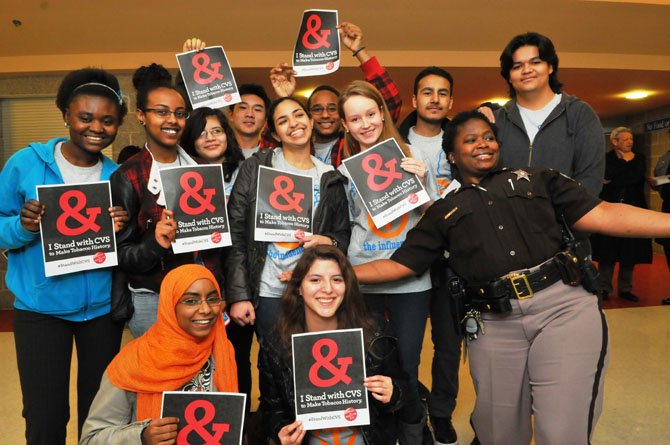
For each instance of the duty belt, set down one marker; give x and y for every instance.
(518, 285)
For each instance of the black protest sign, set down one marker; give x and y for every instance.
(284, 203)
(77, 230)
(387, 191)
(208, 78)
(317, 49)
(206, 417)
(195, 194)
(328, 372)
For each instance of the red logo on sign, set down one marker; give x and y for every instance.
(372, 166)
(283, 188)
(227, 97)
(350, 414)
(200, 63)
(216, 237)
(198, 425)
(412, 198)
(99, 258)
(329, 66)
(314, 32)
(191, 192)
(338, 374)
(86, 222)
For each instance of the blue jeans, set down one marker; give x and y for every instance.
(146, 312)
(407, 314)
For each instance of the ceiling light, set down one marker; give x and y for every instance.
(499, 100)
(306, 93)
(636, 94)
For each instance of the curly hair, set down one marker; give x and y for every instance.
(90, 82)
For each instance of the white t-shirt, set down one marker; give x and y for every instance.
(369, 243)
(284, 256)
(534, 119)
(436, 158)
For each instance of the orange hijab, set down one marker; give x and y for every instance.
(165, 358)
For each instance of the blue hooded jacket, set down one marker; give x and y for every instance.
(76, 296)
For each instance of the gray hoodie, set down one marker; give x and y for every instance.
(570, 140)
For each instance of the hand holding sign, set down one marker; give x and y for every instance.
(416, 167)
(166, 229)
(351, 35)
(31, 214)
(193, 44)
(163, 430)
(380, 386)
(282, 78)
(292, 434)
(120, 217)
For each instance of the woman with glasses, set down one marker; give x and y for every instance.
(185, 350)
(209, 136)
(144, 246)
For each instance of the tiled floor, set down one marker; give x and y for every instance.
(637, 391)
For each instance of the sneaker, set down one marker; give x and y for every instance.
(445, 434)
(665, 301)
(629, 296)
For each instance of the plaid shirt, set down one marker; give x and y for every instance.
(139, 254)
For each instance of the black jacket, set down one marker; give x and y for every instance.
(277, 401)
(144, 260)
(244, 260)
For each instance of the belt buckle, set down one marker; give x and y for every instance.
(517, 279)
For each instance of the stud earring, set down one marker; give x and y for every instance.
(66, 125)
(142, 123)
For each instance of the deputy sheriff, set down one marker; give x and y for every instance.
(539, 344)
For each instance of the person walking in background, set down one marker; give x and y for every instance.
(624, 182)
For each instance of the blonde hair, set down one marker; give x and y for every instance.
(618, 130)
(362, 88)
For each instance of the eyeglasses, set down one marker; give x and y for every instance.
(195, 302)
(214, 132)
(318, 109)
(164, 112)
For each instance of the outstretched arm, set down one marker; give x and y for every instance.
(351, 36)
(381, 271)
(624, 220)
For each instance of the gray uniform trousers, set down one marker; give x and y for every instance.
(547, 358)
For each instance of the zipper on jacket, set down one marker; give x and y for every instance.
(530, 154)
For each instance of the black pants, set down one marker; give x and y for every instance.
(241, 337)
(44, 354)
(445, 333)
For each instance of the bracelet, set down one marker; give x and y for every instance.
(355, 53)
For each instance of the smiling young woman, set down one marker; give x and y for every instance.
(145, 251)
(51, 312)
(323, 294)
(367, 121)
(185, 350)
(253, 268)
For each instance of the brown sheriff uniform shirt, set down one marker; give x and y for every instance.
(510, 221)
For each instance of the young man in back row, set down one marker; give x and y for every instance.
(423, 129)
